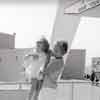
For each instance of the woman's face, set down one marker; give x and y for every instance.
(57, 50)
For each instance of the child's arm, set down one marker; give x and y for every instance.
(34, 56)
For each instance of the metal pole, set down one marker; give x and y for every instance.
(72, 91)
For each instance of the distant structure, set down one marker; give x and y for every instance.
(7, 41)
(11, 58)
(75, 65)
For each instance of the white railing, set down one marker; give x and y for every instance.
(68, 89)
(26, 85)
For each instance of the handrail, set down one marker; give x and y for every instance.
(20, 85)
(13, 83)
(74, 81)
(58, 82)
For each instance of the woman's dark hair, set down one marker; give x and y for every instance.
(64, 46)
(45, 43)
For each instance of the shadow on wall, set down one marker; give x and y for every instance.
(75, 65)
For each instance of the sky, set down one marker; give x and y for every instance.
(88, 37)
(29, 21)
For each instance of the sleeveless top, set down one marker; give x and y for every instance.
(34, 63)
(54, 70)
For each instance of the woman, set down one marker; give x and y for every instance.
(53, 71)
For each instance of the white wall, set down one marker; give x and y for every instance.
(69, 90)
(88, 37)
(11, 64)
(28, 21)
(66, 25)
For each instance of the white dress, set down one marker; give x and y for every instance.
(34, 64)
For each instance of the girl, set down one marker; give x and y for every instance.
(36, 62)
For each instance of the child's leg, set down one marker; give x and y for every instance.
(38, 89)
(33, 89)
(35, 96)
(31, 93)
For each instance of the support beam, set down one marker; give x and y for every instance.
(81, 6)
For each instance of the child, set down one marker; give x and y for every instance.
(36, 62)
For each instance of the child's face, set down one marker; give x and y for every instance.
(39, 47)
(57, 50)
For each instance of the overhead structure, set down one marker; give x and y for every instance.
(81, 6)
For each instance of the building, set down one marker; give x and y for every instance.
(7, 41)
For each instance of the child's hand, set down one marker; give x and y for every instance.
(41, 74)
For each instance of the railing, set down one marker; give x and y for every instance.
(17, 86)
(26, 85)
(14, 85)
(21, 85)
